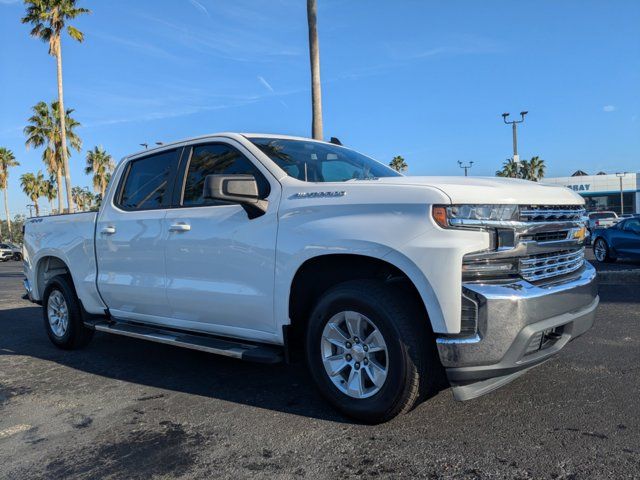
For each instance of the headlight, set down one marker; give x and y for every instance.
(473, 216)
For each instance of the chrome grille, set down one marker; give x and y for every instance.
(541, 267)
(551, 213)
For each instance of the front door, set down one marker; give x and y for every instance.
(220, 263)
(130, 238)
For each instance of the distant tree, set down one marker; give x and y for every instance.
(44, 130)
(49, 18)
(34, 187)
(7, 160)
(398, 164)
(510, 169)
(83, 198)
(50, 192)
(100, 163)
(534, 169)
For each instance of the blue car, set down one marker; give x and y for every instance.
(620, 240)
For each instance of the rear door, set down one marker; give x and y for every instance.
(220, 263)
(129, 238)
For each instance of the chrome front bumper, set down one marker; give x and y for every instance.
(511, 319)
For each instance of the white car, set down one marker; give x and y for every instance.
(265, 248)
(6, 253)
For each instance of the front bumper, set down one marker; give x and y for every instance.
(520, 325)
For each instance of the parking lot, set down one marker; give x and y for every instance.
(123, 408)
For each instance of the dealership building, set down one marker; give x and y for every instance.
(602, 191)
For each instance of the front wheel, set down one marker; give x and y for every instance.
(370, 351)
(602, 252)
(62, 315)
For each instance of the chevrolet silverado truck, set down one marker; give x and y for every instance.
(271, 248)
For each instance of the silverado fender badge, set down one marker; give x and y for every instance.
(341, 193)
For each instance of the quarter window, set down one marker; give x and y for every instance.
(147, 181)
(216, 159)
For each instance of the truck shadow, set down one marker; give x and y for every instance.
(284, 388)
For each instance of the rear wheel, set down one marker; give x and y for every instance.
(602, 252)
(62, 315)
(369, 350)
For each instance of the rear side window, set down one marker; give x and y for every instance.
(632, 225)
(147, 182)
(217, 159)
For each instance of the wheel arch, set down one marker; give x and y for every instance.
(319, 273)
(47, 267)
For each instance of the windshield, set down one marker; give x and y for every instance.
(321, 162)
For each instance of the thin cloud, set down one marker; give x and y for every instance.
(265, 83)
(608, 108)
(200, 7)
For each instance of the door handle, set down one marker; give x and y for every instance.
(108, 230)
(180, 227)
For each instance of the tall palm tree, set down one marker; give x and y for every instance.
(314, 57)
(48, 18)
(7, 160)
(44, 129)
(398, 164)
(82, 197)
(100, 163)
(34, 187)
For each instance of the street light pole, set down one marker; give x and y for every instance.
(514, 132)
(620, 175)
(466, 167)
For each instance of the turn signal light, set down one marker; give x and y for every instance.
(440, 216)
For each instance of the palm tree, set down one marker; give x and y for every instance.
(509, 169)
(50, 192)
(34, 187)
(398, 164)
(82, 197)
(100, 163)
(48, 18)
(44, 129)
(314, 57)
(534, 169)
(7, 160)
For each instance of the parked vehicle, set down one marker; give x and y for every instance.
(5, 252)
(621, 240)
(16, 250)
(601, 220)
(265, 248)
(628, 215)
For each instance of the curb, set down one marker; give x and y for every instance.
(621, 277)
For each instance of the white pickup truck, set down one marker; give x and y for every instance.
(269, 248)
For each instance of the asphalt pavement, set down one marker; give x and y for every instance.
(124, 408)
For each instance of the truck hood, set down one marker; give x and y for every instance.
(492, 190)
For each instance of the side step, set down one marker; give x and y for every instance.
(228, 348)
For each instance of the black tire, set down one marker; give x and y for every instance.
(414, 369)
(77, 335)
(17, 256)
(601, 245)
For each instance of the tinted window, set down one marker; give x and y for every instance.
(4, 245)
(217, 159)
(632, 225)
(602, 215)
(321, 162)
(147, 182)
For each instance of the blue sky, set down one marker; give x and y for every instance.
(424, 79)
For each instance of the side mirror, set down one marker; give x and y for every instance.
(235, 188)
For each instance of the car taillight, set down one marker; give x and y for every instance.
(597, 223)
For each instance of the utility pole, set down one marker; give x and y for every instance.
(620, 175)
(30, 207)
(466, 167)
(514, 129)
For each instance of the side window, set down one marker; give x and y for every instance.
(147, 182)
(217, 159)
(632, 225)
